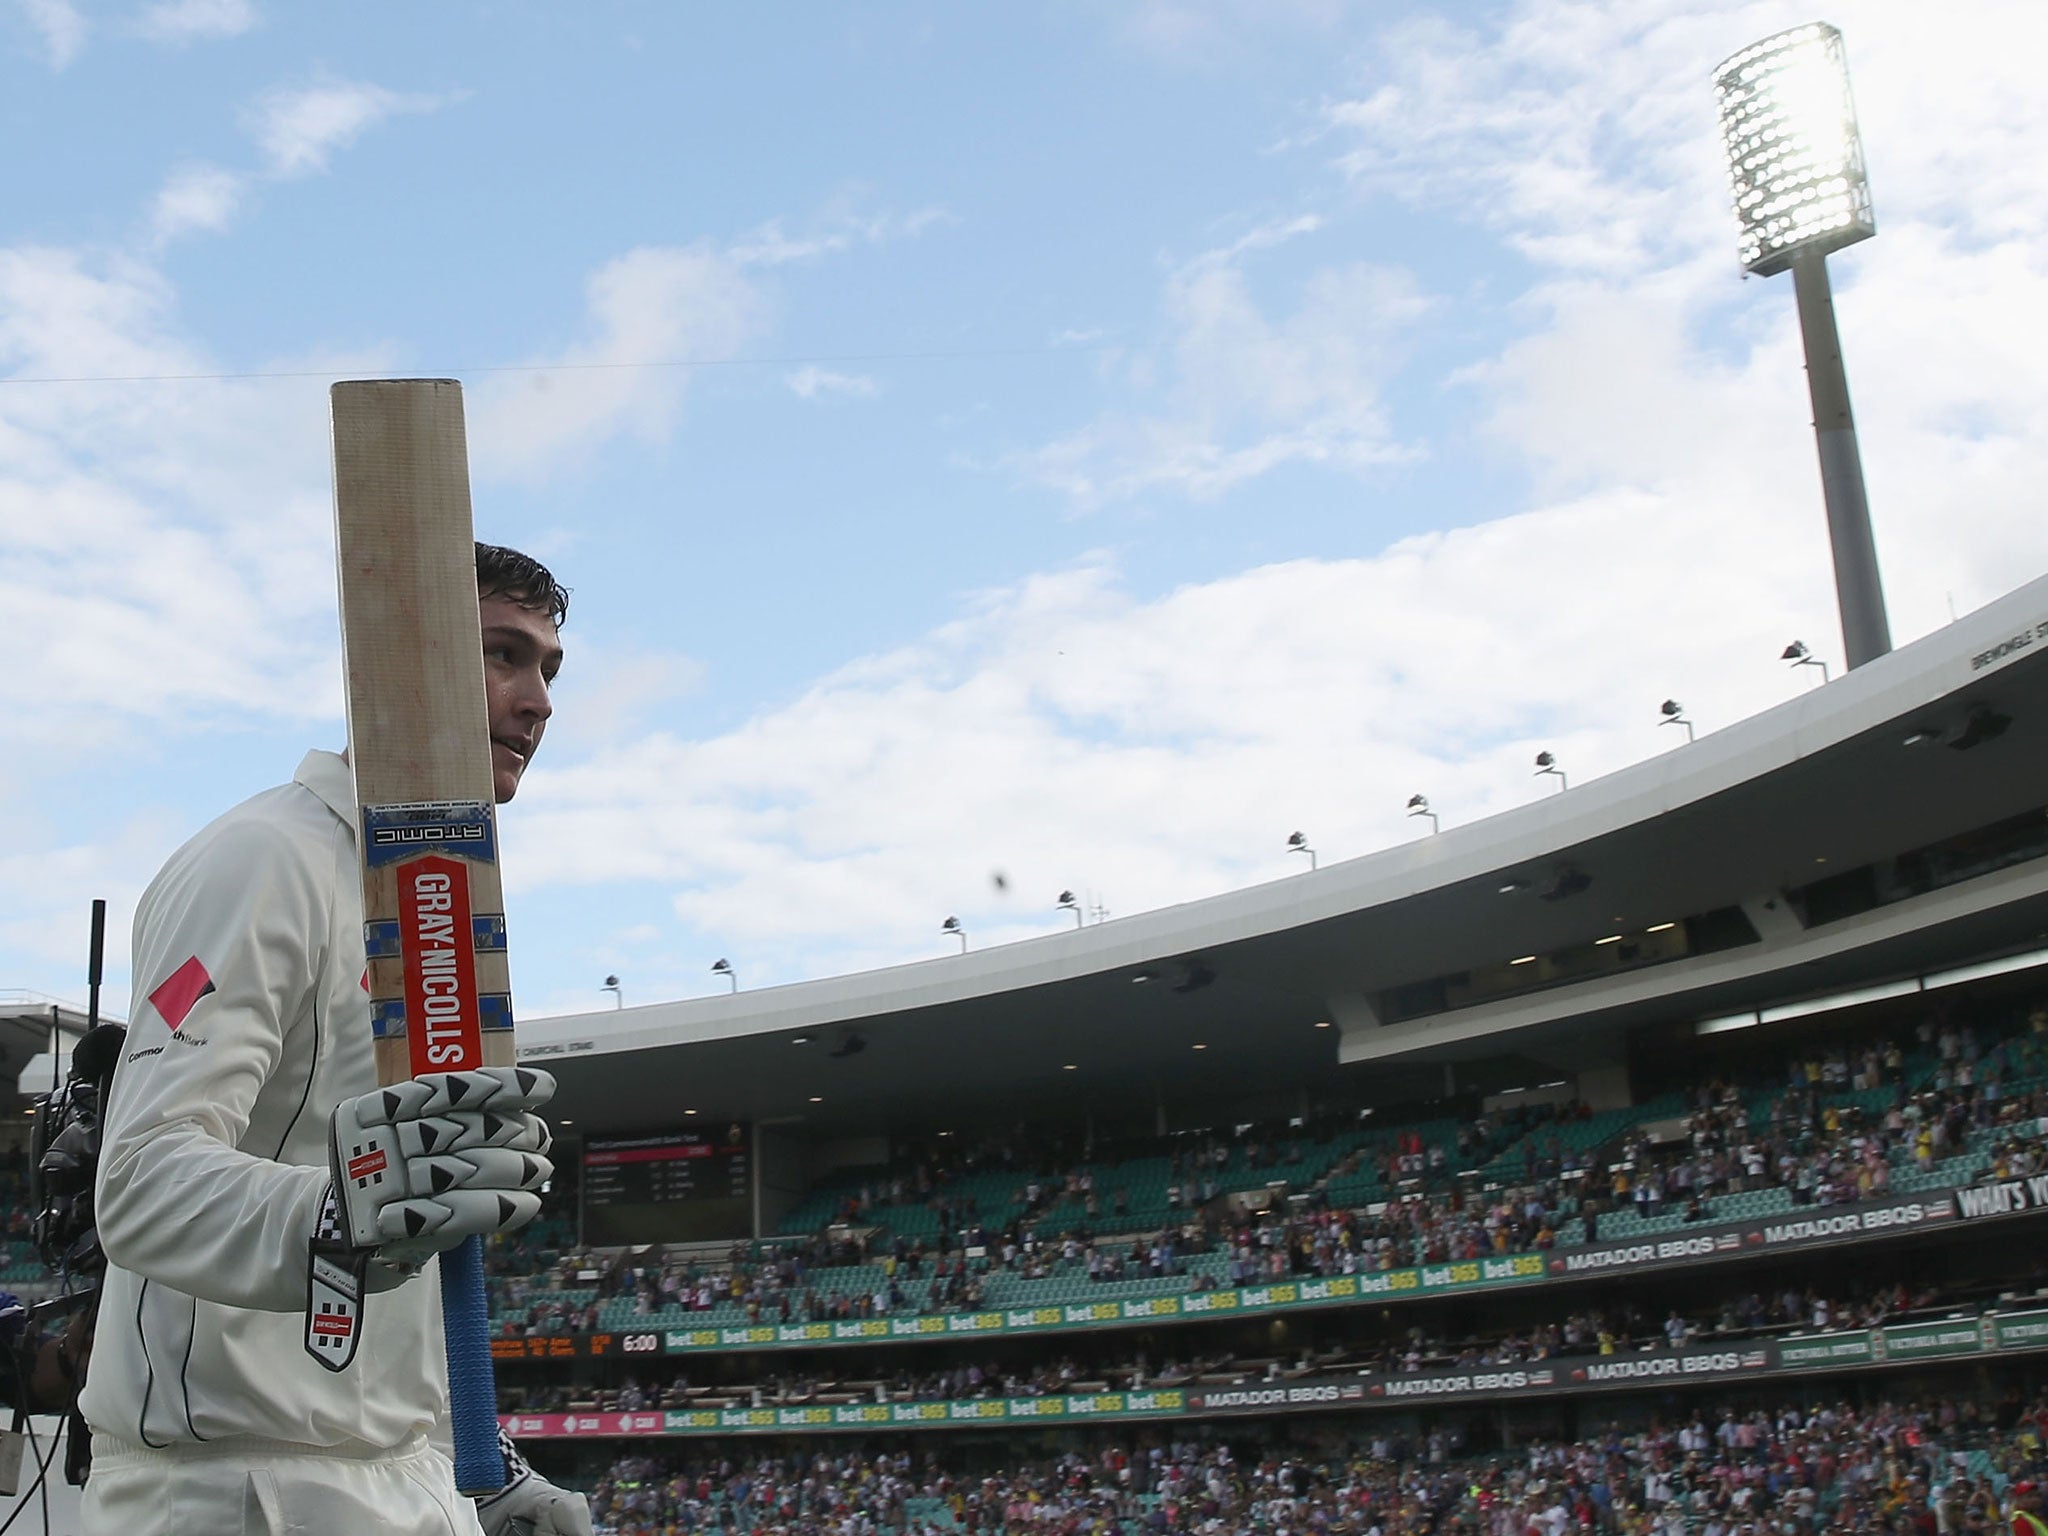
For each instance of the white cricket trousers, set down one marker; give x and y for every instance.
(272, 1488)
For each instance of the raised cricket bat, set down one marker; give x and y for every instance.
(419, 738)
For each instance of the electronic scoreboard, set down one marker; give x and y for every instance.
(668, 1187)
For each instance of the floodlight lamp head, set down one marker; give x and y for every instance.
(1671, 709)
(950, 925)
(611, 983)
(1544, 762)
(1418, 802)
(1298, 840)
(1066, 898)
(1795, 159)
(1796, 651)
(721, 967)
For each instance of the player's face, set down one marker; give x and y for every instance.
(522, 654)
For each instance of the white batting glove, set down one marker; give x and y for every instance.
(421, 1165)
(530, 1505)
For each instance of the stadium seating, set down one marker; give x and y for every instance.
(1343, 1169)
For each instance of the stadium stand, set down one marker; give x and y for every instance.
(1669, 1159)
(1806, 1131)
(1942, 1465)
(1857, 1112)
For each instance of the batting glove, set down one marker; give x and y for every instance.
(530, 1505)
(421, 1165)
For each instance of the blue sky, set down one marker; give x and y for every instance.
(1082, 441)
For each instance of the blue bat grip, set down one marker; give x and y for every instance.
(472, 1385)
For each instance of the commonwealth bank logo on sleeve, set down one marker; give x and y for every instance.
(174, 998)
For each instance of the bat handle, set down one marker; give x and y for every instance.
(472, 1386)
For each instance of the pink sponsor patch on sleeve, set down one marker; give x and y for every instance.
(180, 991)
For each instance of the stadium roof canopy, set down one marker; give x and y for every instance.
(1379, 970)
(26, 1019)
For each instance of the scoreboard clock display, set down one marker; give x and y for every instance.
(669, 1187)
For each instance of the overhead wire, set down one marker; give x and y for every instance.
(816, 359)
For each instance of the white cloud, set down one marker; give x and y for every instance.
(1263, 237)
(158, 542)
(1582, 131)
(160, 550)
(166, 557)
(1519, 133)
(646, 311)
(195, 198)
(811, 381)
(1071, 734)
(617, 693)
(183, 21)
(771, 245)
(59, 25)
(1582, 135)
(46, 901)
(1246, 392)
(1077, 735)
(1217, 32)
(298, 127)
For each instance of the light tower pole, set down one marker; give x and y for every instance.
(1795, 161)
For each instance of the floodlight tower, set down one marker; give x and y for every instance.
(1795, 161)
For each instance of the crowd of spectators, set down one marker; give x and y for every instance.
(1618, 1328)
(1625, 1328)
(780, 1282)
(783, 1285)
(1825, 1151)
(1809, 1132)
(1933, 1468)
(905, 1276)
(1051, 1171)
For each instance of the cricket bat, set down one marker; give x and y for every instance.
(419, 739)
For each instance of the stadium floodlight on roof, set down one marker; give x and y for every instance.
(1794, 155)
(1795, 162)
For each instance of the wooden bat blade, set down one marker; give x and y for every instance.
(419, 739)
(419, 734)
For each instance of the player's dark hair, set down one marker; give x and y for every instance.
(502, 572)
